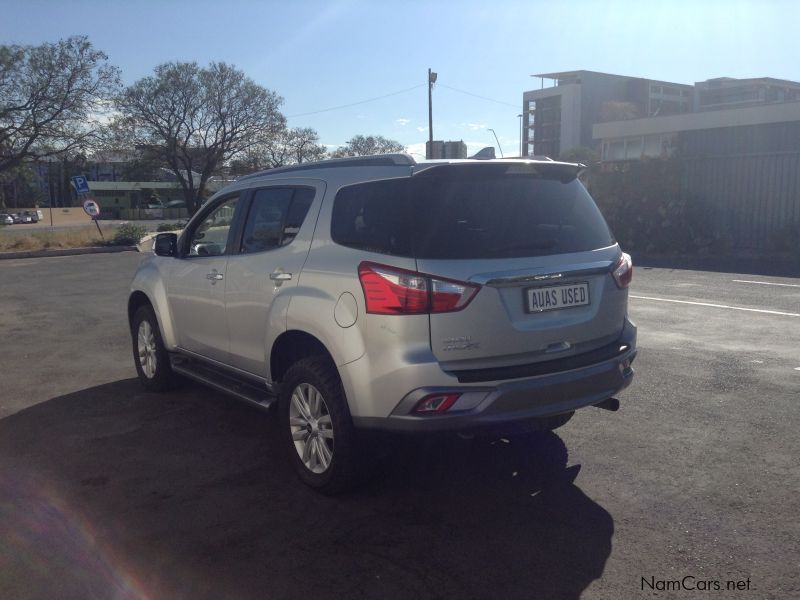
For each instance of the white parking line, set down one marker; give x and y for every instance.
(755, 310)
(766, 283)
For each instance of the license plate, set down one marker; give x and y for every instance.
(555, 297)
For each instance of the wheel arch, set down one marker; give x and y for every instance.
(136, 300)
(291, 346)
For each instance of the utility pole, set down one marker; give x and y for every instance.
(431, 81)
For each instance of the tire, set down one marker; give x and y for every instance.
(149, 354)
(317, 427)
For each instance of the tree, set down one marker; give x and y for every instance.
(51, 97)
(294, 146)
(366, 145)
(288, 147)
(196, 119)
(579, 154)
(614, 110)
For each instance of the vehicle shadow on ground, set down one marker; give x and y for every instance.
(112, 491)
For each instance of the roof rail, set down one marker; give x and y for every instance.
(377, 160)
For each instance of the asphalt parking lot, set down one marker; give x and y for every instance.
(108, 491)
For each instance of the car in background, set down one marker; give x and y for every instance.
(176, 204)
(22, 218)
(32, 215)
(6, 219)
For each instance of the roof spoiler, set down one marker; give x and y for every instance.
(484, 154)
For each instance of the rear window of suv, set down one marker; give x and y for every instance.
(462, 212)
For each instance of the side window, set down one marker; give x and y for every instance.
(301, 202)
(275, 218)
(374, 216)
(210, 237)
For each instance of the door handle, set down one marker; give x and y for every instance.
(280, 276)
(214, 276)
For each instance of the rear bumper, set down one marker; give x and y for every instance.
(506, 404)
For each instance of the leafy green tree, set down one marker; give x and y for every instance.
(196, 119)
(51, 98)
(360, 145)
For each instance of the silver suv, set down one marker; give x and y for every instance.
(380, 293)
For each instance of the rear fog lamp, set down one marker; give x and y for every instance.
(436, 403)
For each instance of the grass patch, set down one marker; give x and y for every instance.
(76, 237)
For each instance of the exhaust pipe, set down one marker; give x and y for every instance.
(611, 404)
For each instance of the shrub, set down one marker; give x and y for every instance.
(171, 226)
(129, 234)
(649, 210)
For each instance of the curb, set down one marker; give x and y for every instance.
(67, 252)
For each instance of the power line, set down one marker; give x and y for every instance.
(315, 112)
(478, 96)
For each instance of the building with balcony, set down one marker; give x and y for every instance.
(727, 92)
(560, 117)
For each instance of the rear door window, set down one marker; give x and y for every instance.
(275, 218)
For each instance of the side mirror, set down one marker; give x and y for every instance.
(166, 244)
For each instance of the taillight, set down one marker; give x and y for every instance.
(393, 291)
(623, 271)
(436, 403)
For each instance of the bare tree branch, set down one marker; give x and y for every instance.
(50, 98)
(197, 119)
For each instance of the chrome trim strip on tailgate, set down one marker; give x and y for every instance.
(521, 277)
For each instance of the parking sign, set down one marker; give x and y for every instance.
(80, 183)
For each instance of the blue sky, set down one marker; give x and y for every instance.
(318, 55)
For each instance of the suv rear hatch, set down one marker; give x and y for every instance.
(531, 236)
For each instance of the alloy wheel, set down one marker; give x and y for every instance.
(311, 427)
(147, 349)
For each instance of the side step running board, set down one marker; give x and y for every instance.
(221, 380)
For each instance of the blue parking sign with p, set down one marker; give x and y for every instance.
(80, 183)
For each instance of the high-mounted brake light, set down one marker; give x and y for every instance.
(393, 291)
(623, 271)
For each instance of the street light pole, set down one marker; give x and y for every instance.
(431, 81)
(498, 143)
